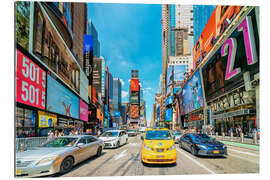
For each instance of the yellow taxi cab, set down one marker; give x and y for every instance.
(158, 147)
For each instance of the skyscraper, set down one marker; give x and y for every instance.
(91, 30)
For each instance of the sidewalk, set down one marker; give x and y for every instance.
(242, 145)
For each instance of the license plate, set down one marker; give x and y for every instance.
(160, 156)
(18, 172)
(216, 152)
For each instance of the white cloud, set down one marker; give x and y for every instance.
(124, 94)
(122, 82)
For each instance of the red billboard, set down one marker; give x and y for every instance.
(30, 82)
(134, 84)
(134, 111)
(216, 25)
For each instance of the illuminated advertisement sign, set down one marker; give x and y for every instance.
(50, 48)
(83, 86)
(169, 100)
(22, 23)
(103, 73)
(158, 112)
(30, 82)
(239, 54)
(168, 116)
(116, 113)
(83, 111)
(179, 73)
(46, 119)
(134, 99)
(180, 103)
(216, 25)
(134, 111)
(134, 84)
(60, 100)
(192, 93)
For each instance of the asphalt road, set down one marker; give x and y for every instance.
(125, 161)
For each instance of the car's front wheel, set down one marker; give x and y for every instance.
(66, 165)
(193, 151)
(118, 144)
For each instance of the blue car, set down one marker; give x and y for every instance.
(202, 144)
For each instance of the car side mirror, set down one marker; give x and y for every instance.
(142, 138)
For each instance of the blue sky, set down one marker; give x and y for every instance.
(130, 38)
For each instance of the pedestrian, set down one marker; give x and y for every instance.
(98, 133)
(50, 135)
(56, 133)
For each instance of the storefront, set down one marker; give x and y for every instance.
(26, 122)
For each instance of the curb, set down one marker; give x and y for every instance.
(247, 146)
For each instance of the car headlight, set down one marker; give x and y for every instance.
(148, 148)
(201, 146)
(171, 148)
(48, 159)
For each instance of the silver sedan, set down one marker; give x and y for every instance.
(58, 155)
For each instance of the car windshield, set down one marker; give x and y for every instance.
(132, 130)
(178, 134)
(158, 135)
(61, 142)
(110, 134)
(201, 137)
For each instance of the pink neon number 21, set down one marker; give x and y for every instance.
(230, 44)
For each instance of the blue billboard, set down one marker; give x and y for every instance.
(116, 113)
(192, 94)
(168, 116)
(60, 100)
(169, 100)
(87, 43)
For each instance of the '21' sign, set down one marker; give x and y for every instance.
(30, 82)
(230, 46)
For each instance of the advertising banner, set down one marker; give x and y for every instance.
(61, 100)
(238, 55)
(181, 105)
(30, 82)
(83, 111)
(134, 99)
(103, 73)
(51, 49)
(169, 100)
(116, 113)
(216, 25)
(46, 119)
(22, 23)
(168, 116)
(179, 73)
(192, 93)
(99, 115)
(134, 84)
(134, 111)
(83, 86)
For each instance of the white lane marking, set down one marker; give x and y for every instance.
(196, 162)
(241, 152)
(132, 144)
(122, 154)
(244, 159)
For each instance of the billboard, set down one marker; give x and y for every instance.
(83, 111)
(134, 84)
(46, 119)
(192, 93)
(168, 115)
(238, 55)
(180, 103)
(87, 47)
(83, 86)
(103, 74)
(30, 82)
(60, 100)
(216, 25)
(116, 113)
(134, 111)
(179, 73)
(134, 99)
(169, 100)
(22, 23)
(50, 48)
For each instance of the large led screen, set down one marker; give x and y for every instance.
(60, 100)
(134, 84)
(237, 55)
(83, 111)
(30, 82)
(192, 93)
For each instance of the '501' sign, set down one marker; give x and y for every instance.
(30, 82)
(230, 45)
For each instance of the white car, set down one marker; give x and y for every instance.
(114, 138)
